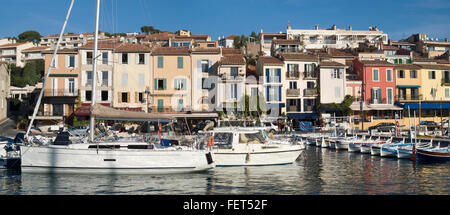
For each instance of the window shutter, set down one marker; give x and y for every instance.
(267, 93)
(379, 96)
(199, 66)
(267, 75)
(209, 66)
(136, 97)
(66, 61)
(120, 58)
(119, 97)
(156, 83)
(278, 75)
(128, 97)
(164, 84)
(136, 57)
(279, 94)
(372, 93)
(83, 58)
(76, 61)
(184, 84)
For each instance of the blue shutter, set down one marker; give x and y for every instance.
(278, 75)
(267, 93)
(199, 66)
(160, 62)
(209, 66)
(164, 84)
(267, 75)
(279, 94)
(180, 62)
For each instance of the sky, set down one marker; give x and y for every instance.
(399, 18)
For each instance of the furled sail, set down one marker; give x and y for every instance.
(107, 113)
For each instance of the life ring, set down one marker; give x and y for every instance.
(210, 141)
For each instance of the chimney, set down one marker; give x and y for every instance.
(350, 28)
(317, 27)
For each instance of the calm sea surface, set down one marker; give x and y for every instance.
(317, 172)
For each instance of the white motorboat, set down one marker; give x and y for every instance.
(237, 147)
(100, 156)
(325, 143)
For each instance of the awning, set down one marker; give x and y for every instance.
(109, 113)
(425, 105)
(303, 116)
(408, 86)
(356, 107)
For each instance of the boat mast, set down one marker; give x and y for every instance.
(52, 62)
(94, 73)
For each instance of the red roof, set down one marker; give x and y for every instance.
(183, 50)
(232, 60)
(131, 47)
(270, 60)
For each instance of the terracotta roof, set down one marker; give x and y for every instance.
(232, 60)
(210, 50)
(331, 52)
(331, 63)
(171, 50)
(37, 48)
(11, 45)
(231, 37)
(407, 66)
(226, 51)
(102, 45)
(435, 66)
(131, 47)
(376, 63)
(298, 56)
(270, 60)
(197, 36)
(390, 47)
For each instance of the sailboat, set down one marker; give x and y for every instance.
(109, 157)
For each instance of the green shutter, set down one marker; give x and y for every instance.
(184, 84)
(160, 61)
(156, 83)
(164, 84)
(180, 62)
(160, 105)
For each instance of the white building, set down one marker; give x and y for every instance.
(4, 90)
(34, 53)
(336, 38)
(272, 71)
(231, 84)
(226, 42)
(12, 53)
(332, 82)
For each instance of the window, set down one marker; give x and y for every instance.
(71, 85)
(337, 92)
(375, 75)
(180, 62)
(104, 95)
(124, 97)
(105, 58)
(141, 59)
(58, 109)
(205, 66)
(447, 93)
(71, 61)
(254, 92)
(160, 84)
(141, 97)
(180, 84)
(141, 79)
(336, 74)
(273, 75)
(205, 84)
(292, 85)
(390, 96)
(234, 71)
(180, 105)
(376, 95)
(89, 78)
(413, 74)
(273, 93)
(124, 79)
(160, 105)
(432, 75)
(89, 57)
(401, 74)
(124, 59)
(160, 61)
(105, 78)
(389, 76)
(88, 95)
(433, 92)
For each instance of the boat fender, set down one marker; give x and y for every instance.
(247, 158)
(210, 141)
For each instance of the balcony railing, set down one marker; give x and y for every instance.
(60, 92)
(293, 92)
(446, 81)
(310, 75)
(409, 97)
(310, 92)
(293, 75)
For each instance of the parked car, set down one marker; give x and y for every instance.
(270, 127)
(383, 127)
(78, 130)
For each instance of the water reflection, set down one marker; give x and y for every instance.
(317, 171)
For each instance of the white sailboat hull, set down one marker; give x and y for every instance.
(387, 152)
(277, 156)
(365, 149)
(352, 147)
(45, 159)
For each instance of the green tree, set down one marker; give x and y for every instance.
(253, 35)
(240, 42)
(30, 74)
(29, 36)
(150, 30)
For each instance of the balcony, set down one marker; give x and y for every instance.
(293, 75)
(310, 75)
(446, 81)
(293, 92)
(401, 98)
(310, 92)
(60, 93)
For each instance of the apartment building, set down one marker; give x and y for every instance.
(336, 38)
(430, 47)
(12, 53)
(131, 77)
(271, 69)
(69, 40)
(104, 76)
(34, 53)
(204, 62)
(231, 73)
(4, 90)
(171, 72)
(62, 87)
(227, 42)
(265, 41)
(332, 82)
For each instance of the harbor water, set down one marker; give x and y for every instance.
(318, 171)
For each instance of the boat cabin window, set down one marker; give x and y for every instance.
(104, 146)
(252, 138)
(223, 140)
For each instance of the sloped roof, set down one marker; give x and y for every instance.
(171, 51)
(132, 47)
(271, 60)
(298, 56)
(232, 60)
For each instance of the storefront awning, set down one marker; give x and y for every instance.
(425, 105)
(303, 115)
(356, 107)
(408, 86)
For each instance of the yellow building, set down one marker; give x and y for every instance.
(171, 76)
